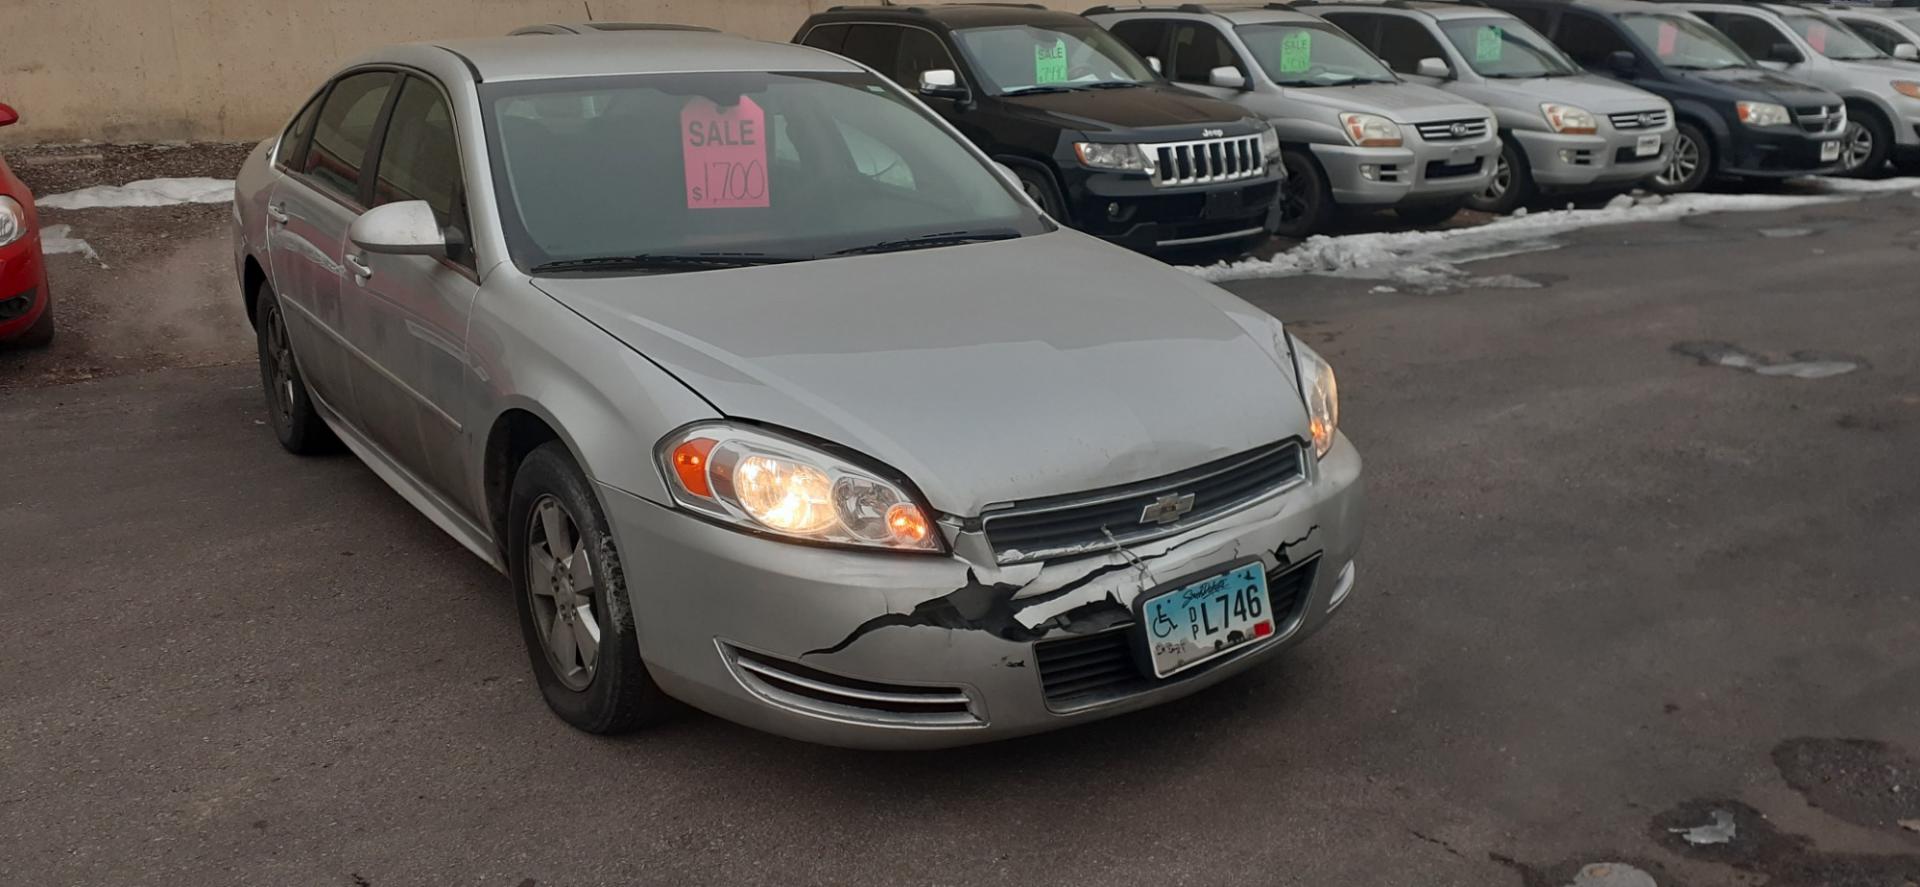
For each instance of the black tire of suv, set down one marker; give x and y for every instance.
(1041, 188)
(1882, 135)
(1426, 215)
(1520, 186)
(295, 420)
(620, 695)
(1704, 144)
(1307, 206)
(40, 335)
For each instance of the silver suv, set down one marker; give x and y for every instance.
(1882, 93)
(1353, 133)
(1561, 128)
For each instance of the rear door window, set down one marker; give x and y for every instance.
(876, 46)
(1882, 37)
(1589, 41)
(1146, 37)
(827, 37)
(343, 132)
(1403, 42)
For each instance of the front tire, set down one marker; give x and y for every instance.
(290, 410)
(1307, 204)
(571, 589)
(1512, 186)
(1688, 166)
(1040, 187)
(1865, 144)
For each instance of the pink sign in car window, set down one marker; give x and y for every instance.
(1817, 37)
(1669, 39)
(726, 155)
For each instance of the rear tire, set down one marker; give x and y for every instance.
(1307, 204)
(1688, 166)
(40, 335)
(1865, 144)
(1512, 186)
(290, 410)
(571, 590)
(1041, 188)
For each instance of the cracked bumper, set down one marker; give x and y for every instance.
(714, 607)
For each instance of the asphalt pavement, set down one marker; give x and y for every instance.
(1625, 570)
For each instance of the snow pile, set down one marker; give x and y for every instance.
(59, 240)
(146, 192)
(1429, 259)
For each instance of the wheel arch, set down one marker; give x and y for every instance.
(1023, 161)
(252, 277)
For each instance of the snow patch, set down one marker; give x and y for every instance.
(1429, 259)
(59, 240)
(146, 192)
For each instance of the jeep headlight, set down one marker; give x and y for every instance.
(763, 483)
(1269, 142)
(1321, 391)
(1117, 157)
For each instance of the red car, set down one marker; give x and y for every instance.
(26, 308)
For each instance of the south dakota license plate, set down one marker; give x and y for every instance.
(1198, 621)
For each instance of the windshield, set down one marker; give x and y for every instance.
(1023, 58)
(1312, 54)
(731, 168)
(1506, 48)
(1830, 38)
(1685, 43)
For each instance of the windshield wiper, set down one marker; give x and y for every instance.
(1111, 84)
(1032, 90)
(949, 238)
(661, 262)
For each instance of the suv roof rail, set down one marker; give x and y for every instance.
(922, 10)
(1195, 8)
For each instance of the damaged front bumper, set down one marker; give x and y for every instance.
(878, 650)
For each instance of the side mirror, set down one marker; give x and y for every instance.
(942, 83)
(1784, 53)
(1227, 78)
(1433, 67)
(1623, 64)
(1906, 52)
(9, 117)
(407, 228)
(1153, 61)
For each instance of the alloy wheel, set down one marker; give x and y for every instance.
(280, 354)
(1501, 181)
(1293, 198)
(562, 590)
(1859, 146)
(1681, 165)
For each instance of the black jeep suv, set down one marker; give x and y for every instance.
(1095, 135)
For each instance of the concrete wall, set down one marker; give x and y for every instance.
(164, 70)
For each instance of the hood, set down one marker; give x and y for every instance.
(1596, 94)
(1765, 83)
(985, 373)
(1399, 102)
(1176, 113)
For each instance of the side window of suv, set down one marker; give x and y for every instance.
(1197, 50)
(920, 52)
(344, 130)
(828, 37)
(1536, 17)
(877, 47)
(1751, 33)
(1362, 26)
(1403, 42)
(1882, 37)
(1146, 37)
(1588, 40)
(420, 157)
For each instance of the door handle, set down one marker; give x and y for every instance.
(278, 213)
(360, 267)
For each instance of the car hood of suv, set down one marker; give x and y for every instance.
(1400, 102)
(1127, 111)
(985, 373)
(1778, 87)
(1587, 92)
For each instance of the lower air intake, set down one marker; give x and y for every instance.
(796, 686)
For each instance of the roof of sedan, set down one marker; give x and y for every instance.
(634, 52)
(1439, 9)
(955, 15)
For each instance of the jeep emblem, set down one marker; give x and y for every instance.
(1212, 133)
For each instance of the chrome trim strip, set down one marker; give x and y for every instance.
(1230, 235)
(772, 673)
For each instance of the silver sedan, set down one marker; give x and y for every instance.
(771, 394)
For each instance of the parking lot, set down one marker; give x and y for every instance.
(1639, 554)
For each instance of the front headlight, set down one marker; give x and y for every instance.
(1270, 142)
(13, 220)
(1371, 130)
(1907, 88)
(1762, 114)
(1569, 119)
(1321, 391)
(1121, 158)
(765, 483)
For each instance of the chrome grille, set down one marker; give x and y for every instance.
(1821, 119)
(1210, 160)
(1453, 130)
(1639, 119)
(1086, 670)
(1070, 526)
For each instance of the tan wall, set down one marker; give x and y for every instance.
(162, 70)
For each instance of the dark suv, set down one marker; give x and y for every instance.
(1094, 134)
(1734, 117)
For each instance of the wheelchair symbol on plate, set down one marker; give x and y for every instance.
(1162, 625)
